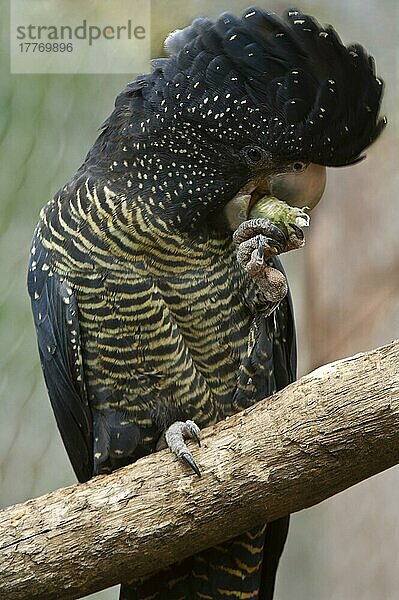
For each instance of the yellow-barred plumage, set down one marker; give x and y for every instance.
(164, 323)
(145, 314)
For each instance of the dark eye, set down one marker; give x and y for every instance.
(299, 167)
(254, 154)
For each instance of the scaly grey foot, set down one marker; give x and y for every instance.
(175, 436)
(256, 241)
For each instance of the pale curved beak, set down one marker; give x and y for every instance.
(300, 189)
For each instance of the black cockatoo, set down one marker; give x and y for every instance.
(160, 306)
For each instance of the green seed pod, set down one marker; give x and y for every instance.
(280, 213)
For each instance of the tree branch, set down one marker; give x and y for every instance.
(322, 434)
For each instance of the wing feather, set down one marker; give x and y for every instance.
(55, 313)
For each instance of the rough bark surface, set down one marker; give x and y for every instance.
(329, 430)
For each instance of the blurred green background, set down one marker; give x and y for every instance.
(345, 285)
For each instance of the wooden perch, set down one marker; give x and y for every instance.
(322, 434)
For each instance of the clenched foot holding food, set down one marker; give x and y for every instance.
(273, 227)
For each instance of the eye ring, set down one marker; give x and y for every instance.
(254, 155)
(299, 166)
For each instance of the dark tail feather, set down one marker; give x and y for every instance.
(276, 534)
(127, 593)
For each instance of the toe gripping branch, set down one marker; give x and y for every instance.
(175, 436)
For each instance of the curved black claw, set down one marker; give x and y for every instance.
(261, 250)
(276, 244)
(273, 245)
(278, 234)
(196, 436)
(187, 457)
(298, 231)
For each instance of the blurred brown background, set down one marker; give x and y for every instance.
(345, 285)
